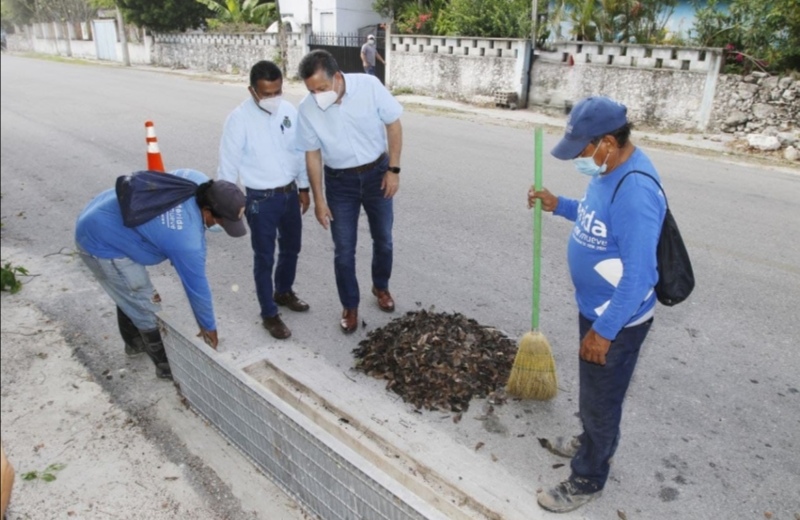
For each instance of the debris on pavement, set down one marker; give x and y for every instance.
(437, 360)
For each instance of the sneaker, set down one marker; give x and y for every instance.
(563, 446)
(565, 497)
(290, 300)
(276, 327)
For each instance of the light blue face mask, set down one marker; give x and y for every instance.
(216, 228)
(587, 166)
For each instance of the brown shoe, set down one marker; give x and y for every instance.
(385, 301)
(349, 321)
(290, 300)
(276, 327)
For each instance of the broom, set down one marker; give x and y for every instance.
(533, 375)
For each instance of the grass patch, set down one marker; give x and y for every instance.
(399, 91)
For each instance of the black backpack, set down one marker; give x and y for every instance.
(146, 194)
(675, 274)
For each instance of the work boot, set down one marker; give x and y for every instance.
(276, 327)
(134, 344)
(155, 350)
(290, 300)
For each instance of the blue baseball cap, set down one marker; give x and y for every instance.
(590, 118)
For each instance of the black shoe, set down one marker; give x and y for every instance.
(134, 344)
(290, 300)
(163, 371)
(276, 327)
(135, 347)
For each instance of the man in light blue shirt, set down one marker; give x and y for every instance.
(345, 122)
(259, 149)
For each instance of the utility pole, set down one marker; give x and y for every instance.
(534, 19)
(282, 44)
(123, 39)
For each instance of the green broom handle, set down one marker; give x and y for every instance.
(537, 227)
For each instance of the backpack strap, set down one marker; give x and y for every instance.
(645, 174)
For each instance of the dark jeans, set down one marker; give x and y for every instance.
(273, 215)
(602, 391)
(370, 69)
(346, 192)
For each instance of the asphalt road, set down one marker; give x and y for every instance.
(712, 418)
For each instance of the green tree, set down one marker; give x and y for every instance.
(639, 21)
(242, 11)
(19, 12)
(755, 34)
(165, 15)
(486, 18)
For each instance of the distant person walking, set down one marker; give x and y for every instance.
(369, 53)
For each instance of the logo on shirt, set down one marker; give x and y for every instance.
(589, 231)
(287, 123)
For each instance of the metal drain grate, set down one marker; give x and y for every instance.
(326, 477)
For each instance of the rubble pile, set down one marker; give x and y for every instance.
(437, 360)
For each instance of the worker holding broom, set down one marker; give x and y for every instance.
(612, 262)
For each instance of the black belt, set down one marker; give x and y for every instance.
(360, 169)
(292, 186)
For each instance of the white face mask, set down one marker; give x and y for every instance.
(326, 99)
(270, 104)
(216, 228)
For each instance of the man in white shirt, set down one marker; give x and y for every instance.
(259, 149)
(345, 122)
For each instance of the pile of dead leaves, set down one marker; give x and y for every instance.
(437, 360)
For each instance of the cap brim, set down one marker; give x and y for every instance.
(234, 228)
(568, 149)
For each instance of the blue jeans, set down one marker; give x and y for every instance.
(602, 391)
(273, 216)
(129, 285)
(346, 192)
(370, 69)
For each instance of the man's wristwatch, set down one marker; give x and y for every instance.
(394, 169)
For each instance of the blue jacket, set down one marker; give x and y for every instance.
(177, 235)
(612, 249)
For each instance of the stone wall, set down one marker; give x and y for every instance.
(227, 53)
(466, 69)
(761, 108)
(756, 102)
(662, 87)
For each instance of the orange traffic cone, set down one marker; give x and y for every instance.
(154, 162)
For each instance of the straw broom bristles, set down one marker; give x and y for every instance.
(533, 375)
